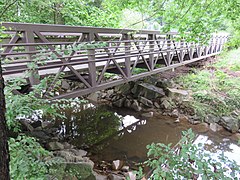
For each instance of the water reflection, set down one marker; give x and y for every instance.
(217, 147)
(124, 135)
(87, 124)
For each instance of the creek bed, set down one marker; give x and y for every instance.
(110, 134)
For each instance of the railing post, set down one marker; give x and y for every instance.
(220, 44)
(199, 49)
(92, 72)
(151, 50)
(169, 49)
(191, 51)
(181, 54)
(29, 38)
(127, 62)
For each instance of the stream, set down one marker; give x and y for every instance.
(110, 134)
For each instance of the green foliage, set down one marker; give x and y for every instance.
(27, 158)
(216, 89)
(187, 160)
(74, 12)
(138, 71)
(18, 105)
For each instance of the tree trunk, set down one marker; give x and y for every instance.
(4, 152)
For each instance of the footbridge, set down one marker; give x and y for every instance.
(89, 53)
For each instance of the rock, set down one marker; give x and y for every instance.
(40, 135)
(87, 160)
(103, 95)
(135, 105)
(65, 85)
(236, 137)
(117, 164)
(145, 101)
(79, 152)
(175, 113)
(110, 93)
(53, 146)
(131, 176)
(119, 103)
(36, 124)
(115, 177)
(236, 113)
(127, 103)
(156, 105)
(67, 145)
(230, 123)
(80, 170)
(215, 127)
(183, 117)
(150, 91)
(202, 128)
(93, 97)
(26, 126)
(211, 119)
(166, 104)
(147, 115)
(47, 124)
(177, 120)
(99, 176)
(56, 170)
(178, 94)
(124, 88)
(68, 156)
(125, 168)
(135, 90)
(164, 83)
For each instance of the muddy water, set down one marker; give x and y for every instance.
(111, 134)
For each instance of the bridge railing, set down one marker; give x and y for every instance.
(88, 53)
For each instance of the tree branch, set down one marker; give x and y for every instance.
(7, 7)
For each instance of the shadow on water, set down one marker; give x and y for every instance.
(110, 134)
(87, 125)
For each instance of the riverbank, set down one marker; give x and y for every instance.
(207, 91)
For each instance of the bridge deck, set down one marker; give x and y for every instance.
(88, 53)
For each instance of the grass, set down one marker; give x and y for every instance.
(216, 89)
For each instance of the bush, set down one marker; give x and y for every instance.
(27, 158)
(187, 160)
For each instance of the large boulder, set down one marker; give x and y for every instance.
(211, 119)
(72, 155)
(150, 91)
(164, 83)
(53, 146)
(145, 101)
(124, 88)
(230, 123)
(179, 94)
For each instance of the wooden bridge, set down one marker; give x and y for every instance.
(88, 53)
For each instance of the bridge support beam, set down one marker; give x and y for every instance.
(127, 69)
(92, 74)
(34, 75)
(151, 49)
